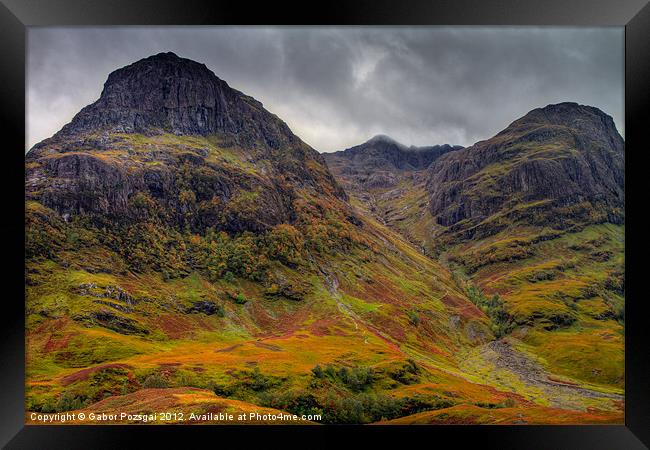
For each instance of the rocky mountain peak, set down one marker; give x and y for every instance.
(565, 113)
(167, 93)
(154, 70)
(560, 163)
(168, 133)
(582, 119)
(383, 139)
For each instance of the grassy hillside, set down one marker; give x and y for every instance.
(318, 315)
(562, 297)
(227, 271)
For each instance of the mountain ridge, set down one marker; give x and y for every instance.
(383, 152)
(532, 218)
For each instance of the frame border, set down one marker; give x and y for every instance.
(17, 15)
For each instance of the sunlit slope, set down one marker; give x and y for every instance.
(358, 308)
(562, 297)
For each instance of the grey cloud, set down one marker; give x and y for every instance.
(337, 87)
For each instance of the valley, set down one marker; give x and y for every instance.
(186, 252)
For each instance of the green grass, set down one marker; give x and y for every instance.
(561, 293)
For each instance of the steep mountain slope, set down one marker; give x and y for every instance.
(180, 238)
(164, 113)
(561, 163)
(534, 217)
(388, 180)
(531, 224)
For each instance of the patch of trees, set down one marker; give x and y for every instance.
(358, 408)
(356, 379)
(512, 251)
(338, 394)
(494, 308)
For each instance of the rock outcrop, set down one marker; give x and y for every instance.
(176, 95)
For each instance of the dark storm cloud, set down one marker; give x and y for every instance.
(337, 87)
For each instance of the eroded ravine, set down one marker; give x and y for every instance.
(500, 364)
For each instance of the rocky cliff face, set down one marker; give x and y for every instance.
(169, 138)
(166, 93)
(565, 158)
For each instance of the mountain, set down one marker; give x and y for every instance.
(388, 179)
(534, 217)
(380, 161)
(561, 163)
(178, 235)
(185, 251)
(530, 221)
(166, 112)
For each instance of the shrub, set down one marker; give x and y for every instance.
(494, 308)
(359, 378)
(285, 244)
(542, 275)
(355, 379)
(259, 382)
(296, 402)
(616, 283)
(223, 390)
(413, 317)
(318, 371)
(68, 402)
(155, 380)
(288, 289)
(142, 206)
(406, 374)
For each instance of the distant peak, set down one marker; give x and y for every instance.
(383, 138)
(164, 55)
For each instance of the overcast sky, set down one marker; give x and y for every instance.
(338, 87)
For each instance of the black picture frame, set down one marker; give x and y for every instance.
(16, 15)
